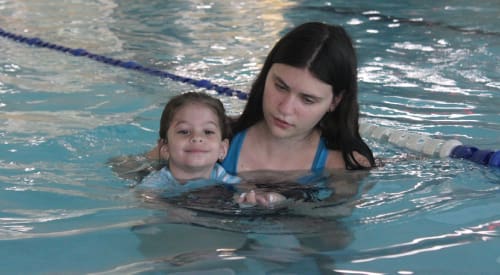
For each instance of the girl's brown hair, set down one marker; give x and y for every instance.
(181, 100)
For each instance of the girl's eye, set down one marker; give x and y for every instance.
(183, 132)
(209, 132)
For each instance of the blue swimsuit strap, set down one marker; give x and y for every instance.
(318, 167)
(319, 162)
(230, 162)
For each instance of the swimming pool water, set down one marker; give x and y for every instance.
(426, 67)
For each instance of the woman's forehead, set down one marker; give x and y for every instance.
(299, 79)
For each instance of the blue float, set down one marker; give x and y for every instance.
(482, 156)
(463, 152)
(495, 159)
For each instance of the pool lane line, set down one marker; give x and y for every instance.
(428, 146)
(413, 141)
(127, 64)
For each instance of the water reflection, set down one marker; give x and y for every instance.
(292, 237)
(61, 117)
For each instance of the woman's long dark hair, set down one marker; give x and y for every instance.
(327, 52)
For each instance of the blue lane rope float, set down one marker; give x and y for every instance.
(413, 141)
(129, 64)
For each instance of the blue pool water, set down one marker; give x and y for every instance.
(428, 67)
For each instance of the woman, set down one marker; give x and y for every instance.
(302, 112)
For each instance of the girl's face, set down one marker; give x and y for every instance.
(194, 142)
(295, 101)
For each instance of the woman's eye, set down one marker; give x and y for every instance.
(308, 100)
(280, 86)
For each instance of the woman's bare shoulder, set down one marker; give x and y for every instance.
(362, 160)
(336, 161)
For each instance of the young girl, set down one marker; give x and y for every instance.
(193, 137)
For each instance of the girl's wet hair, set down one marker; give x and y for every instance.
(327, 52)
(181, 100)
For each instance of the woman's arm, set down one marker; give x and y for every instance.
(136, 167)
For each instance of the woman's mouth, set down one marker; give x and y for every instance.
(281, 123)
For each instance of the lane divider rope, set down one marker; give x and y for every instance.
(127, 64)
(428, 146)
(414, 141)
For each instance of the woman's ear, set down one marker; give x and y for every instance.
(224, 145)
(335, 101)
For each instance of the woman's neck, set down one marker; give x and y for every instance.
(262, 131)
(267, 152)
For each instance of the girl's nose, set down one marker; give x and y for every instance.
(196, 139)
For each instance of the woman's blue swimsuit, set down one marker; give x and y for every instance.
(230, 163)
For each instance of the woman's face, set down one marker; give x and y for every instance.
(295, 101)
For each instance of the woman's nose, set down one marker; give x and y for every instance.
(285, 106)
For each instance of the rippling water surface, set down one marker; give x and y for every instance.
(426, 67)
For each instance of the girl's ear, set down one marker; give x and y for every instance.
(164, 153)
(159, 144)
(224, 145)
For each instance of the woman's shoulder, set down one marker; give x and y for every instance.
(362, 160)
(336, 161)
